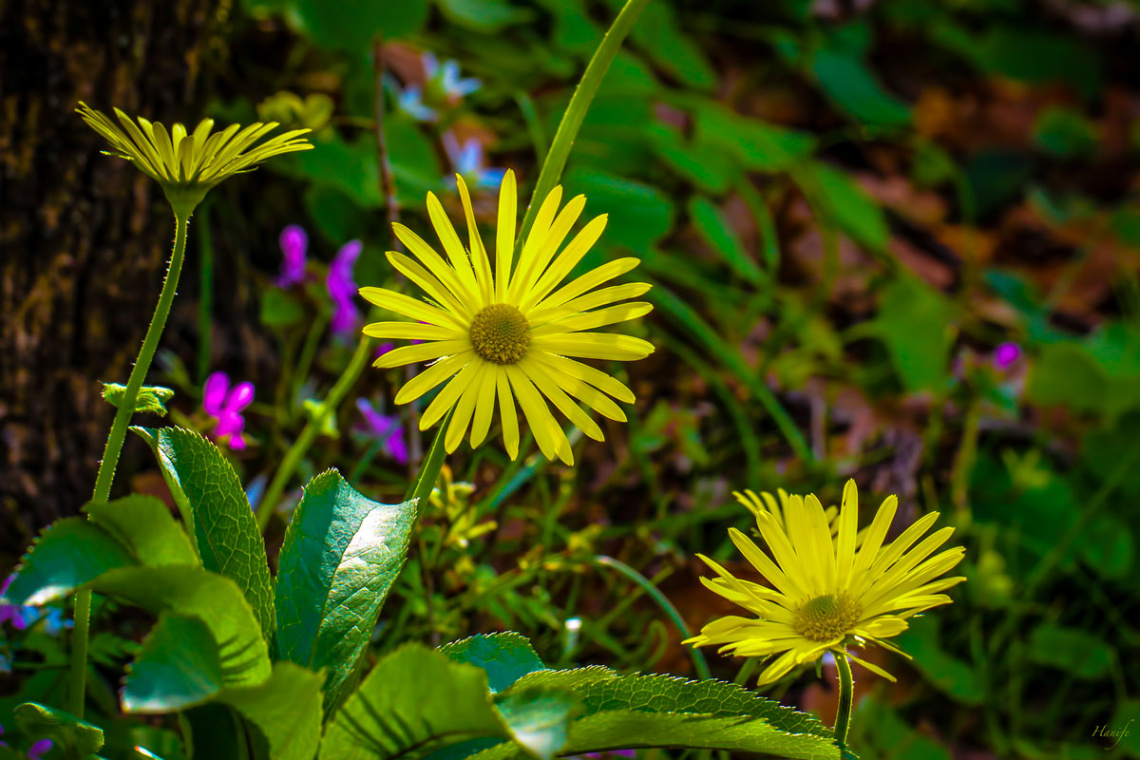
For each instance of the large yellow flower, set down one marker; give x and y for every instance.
(510, 335)
(826, 595)
(766, 502)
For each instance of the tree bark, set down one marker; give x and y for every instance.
(83, 237)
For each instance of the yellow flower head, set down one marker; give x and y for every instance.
(765, 502)
(826, 594)
(510, 335)
(188, 164)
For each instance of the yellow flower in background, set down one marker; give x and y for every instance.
(826, 594)
(188, 164)
(511, 335)
(765, 502)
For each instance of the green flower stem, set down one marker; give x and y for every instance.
(699, 663)
(301, 446)
(579, 104)
(115, 447)
(846, 694)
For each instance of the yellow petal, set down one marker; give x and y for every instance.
(408, 354)
(411, 308)
(484, 406)
(507, 414)
(548, 388)
(433, 376)
(505, 235)
(595, 346)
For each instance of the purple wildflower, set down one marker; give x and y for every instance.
(467, 159)
(342, 288)
(384, 348)
(386, 428)
(36, 751)
(225, 405)
(19, 617)
(294, 245)
(1006, 355)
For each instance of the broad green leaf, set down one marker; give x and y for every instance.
(75, 737)
(178, 667)
(756, 144)
(710, 167)
(949, 674)
(211, 498)
(415, 701)
(487, 16)
(1033, 55)
(1107, 546)
(214, 599)
(895, 738)
(659, 35)
(145, 526)
(1081, 653)
(351, 25)
(1127, 716)
(664, 711)
(151, 399)
(342, 553)
(842, 201)
(68, 554)
(645, 213)
(914, 321)
(1065, 133)
(714, 228)
(847, 81)
(1067, 374)
(504, 657)
(213, 732)
(286, 709)
(539, 719)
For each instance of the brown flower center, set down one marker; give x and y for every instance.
(500, 334)
(826, 617)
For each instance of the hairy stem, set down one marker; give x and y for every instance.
(114, 447)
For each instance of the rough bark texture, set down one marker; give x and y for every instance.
(83, 237)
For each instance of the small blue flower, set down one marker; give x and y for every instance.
(468, 160)
(411, 102)
(447, 77)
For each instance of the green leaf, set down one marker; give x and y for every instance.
(539, 719)
(145, 526)
(1107, 546)
(342, 553)
(662, 39)
(756, 145)
(279, 309)
(949, 674)
(842, 201)
(664, 711)
(151, 399)
(68, 554)
(710, 167)
(415, 701)
(714, 228)
(75, 737)
(1065, 133)
(1127, 716)
(640, 215)
(848, 83)
(178, 667)
(215, 600)
(351, 25)
(914, 322)
(286, 709)
(1081, 653)
(211, 498)
(487, 16)
(1066, 374)
(213, 731)
(504, 657)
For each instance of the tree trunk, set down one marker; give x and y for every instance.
(84, 237)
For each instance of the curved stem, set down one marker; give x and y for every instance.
(114, 447)
(579, 104)
(846, 694)
(699, 663)
(301, 446)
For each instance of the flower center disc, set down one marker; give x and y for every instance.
(500, 334)
(826, 617)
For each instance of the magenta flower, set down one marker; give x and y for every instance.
(1006, 355)
(37, 750)
(19, 617)
(341, 287)
(225, 405)
(294, 245)
(386, 428)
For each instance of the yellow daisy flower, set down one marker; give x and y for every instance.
(765, 502)
(188, 164)
(511, 335)
(826, 594)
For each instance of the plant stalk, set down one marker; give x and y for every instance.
(114, 448)
(846, 697)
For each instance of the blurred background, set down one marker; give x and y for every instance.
(895, 241)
